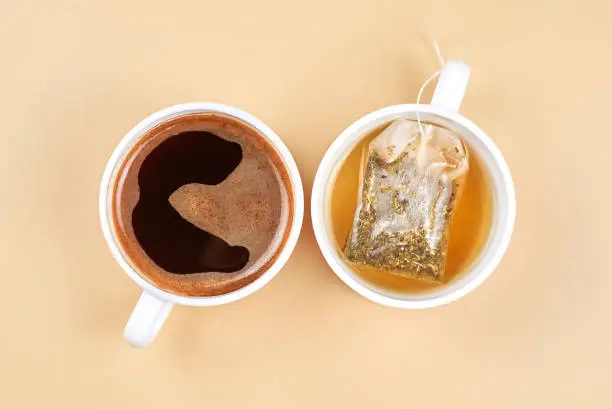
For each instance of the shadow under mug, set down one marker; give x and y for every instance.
(442, 111)
(155, 304)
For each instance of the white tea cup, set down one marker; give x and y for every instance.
(442, 111)
(155, 304)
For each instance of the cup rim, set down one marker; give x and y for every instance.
(351, 135)
(190, 108)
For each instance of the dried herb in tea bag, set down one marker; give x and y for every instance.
(410, 182)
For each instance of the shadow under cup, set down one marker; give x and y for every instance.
(481, 226)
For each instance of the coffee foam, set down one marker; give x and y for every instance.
(251, 208)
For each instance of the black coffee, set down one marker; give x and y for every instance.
(202, 205)
(172, 242)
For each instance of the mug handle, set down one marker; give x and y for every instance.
(146, 320)
(451, 86)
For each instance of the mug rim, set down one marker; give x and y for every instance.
(140, 130)
(339, 147)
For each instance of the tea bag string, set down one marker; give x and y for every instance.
(425, 84)
(461, 167)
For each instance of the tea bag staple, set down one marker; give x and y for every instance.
(410, 181)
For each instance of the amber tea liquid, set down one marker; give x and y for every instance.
(468, 234)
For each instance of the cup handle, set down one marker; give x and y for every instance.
(451, 85)
(147, 318)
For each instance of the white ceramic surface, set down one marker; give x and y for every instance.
(443, 111)
(155, 304)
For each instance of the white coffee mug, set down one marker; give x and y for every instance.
(442, 111)
(155, 304)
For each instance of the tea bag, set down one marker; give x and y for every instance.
(411, 177)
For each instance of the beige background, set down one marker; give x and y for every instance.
(75, 76)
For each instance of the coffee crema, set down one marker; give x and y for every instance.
(202, 204)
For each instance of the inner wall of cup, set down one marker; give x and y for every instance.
(119, 156)
(475, 144)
